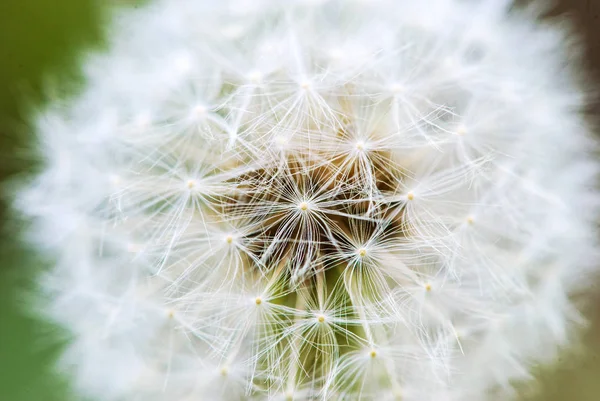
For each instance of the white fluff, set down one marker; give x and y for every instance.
(317, 200)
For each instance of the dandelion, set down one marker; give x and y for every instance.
(317, 200)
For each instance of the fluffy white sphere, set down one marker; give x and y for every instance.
(317, 200)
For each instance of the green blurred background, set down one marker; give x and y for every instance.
(38, 39)
(41, 42)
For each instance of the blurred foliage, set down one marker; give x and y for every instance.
(41, 39)
(38, 39)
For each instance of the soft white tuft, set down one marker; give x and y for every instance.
(317, 200)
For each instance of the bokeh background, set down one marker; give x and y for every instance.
(41, 43)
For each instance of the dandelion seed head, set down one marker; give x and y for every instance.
(303, 206)
(389, 177)
(255, 77)
(115, 180)
(397, 88)
(360, 146)
(200, 110)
